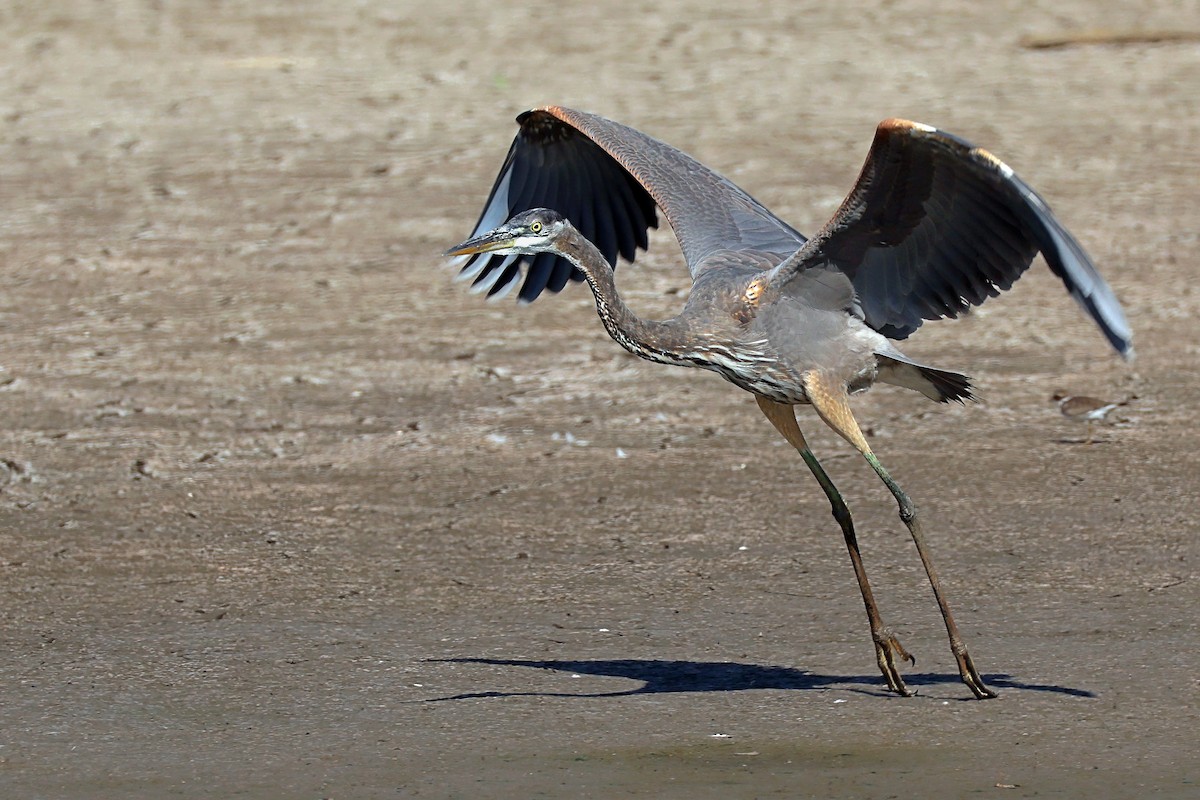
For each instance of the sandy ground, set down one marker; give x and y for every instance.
(285, 512)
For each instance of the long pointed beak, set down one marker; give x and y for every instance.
(487, 243)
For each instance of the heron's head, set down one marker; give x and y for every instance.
(529, 232)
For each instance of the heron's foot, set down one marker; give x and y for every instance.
(970, 675)
(887, 647)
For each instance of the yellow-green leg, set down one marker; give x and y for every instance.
(887, 647)
(829, 398)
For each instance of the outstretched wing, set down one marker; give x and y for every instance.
(607, 178)
(935, 225)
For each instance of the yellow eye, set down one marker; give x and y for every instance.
(535, 227)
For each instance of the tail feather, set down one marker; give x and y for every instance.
(936, 384)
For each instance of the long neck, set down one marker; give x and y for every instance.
(656, 341)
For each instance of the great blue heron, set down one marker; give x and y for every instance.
(933, 226)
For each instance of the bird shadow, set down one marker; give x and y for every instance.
(664, 677)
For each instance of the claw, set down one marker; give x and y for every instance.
(887, 646)
(900, 651)
(970, 676)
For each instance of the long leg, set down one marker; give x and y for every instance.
(829, 398)
(887, 647)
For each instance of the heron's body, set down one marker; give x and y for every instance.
(766, 339)
(933, 226)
